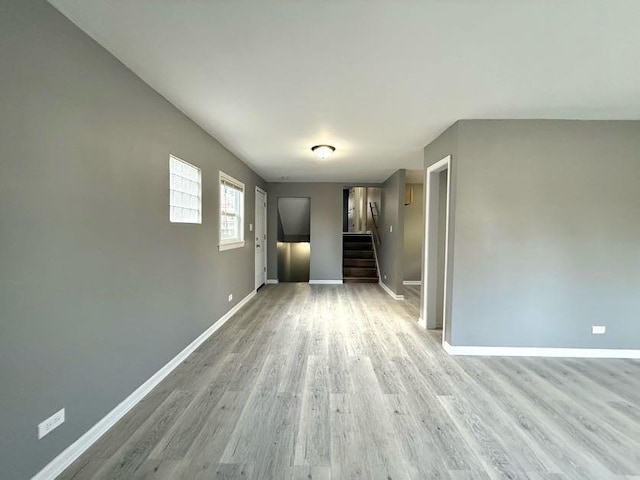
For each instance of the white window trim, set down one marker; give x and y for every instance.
(199, 181)
(230, 244)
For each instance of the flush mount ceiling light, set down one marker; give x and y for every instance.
(323, 151)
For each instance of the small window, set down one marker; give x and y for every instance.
(185, 192)
(231, 212)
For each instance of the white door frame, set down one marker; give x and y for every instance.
(264, 239)
(430, 269)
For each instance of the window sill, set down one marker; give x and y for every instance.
(230, 246)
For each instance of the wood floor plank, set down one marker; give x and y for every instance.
(338, 382)
(154, 469)
(296, 364)
(315, 472)
(525, 451)
(536, 424)
(130, 456)
(348, 449)
(209, 444)
(383, 456)
(416, 441)
(539, 392)
(624, 386)
(451, 448)
(339, 376)
(177, 441)
(313, 442)
(496, 460)
(217, 471)
(569, 385)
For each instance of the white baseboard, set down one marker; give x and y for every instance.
(412, 282)
(540, 352)
(77, 448)
(272, 281)
(325, 282)
(423, 323)
(390, 292)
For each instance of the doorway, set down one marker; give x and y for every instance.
(294, 235)
(435, 308)
(360, 206)
(413, 244)
(261, 237)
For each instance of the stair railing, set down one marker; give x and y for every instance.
(373, 206)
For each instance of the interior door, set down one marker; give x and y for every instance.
(261, 237)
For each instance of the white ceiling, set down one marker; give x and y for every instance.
(377, 79)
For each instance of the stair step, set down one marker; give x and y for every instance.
(359, 272)
(356, 238)
(357, 254)
(359, 262)
(360, 280)
(357, 246)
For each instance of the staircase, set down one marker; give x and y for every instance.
(358, 259)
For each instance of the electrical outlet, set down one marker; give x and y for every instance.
(50, 423)
(385, 276)
(598, 329)
(251, 227)
(230, 296)
(390, 228)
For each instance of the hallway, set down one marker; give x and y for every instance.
(319, 382)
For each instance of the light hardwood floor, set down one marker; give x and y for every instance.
(333, 382)
(412, 299)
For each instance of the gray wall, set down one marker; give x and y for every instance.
(547, 234)
(390, 253)
(326, 227)
(413, 234)
(97, 289)
(294, 214)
